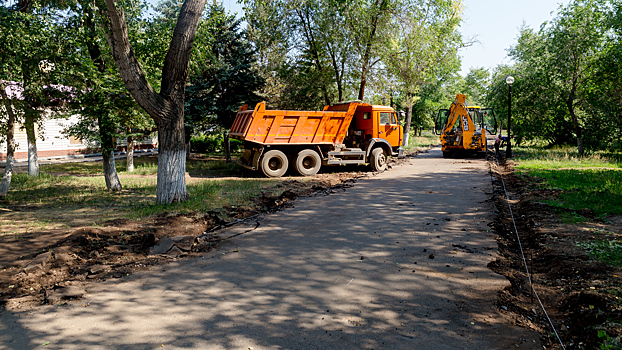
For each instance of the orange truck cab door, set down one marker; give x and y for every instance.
(389, 129)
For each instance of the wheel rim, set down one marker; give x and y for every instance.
(308, 162)
(275, 164)
(382, 159)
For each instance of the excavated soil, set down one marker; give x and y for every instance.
(581, 296)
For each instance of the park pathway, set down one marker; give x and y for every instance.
(397, 261)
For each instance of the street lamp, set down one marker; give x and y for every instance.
(510, 81)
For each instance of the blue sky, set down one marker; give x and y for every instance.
(494, 23)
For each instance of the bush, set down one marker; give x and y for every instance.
(212, 143)
(206, 143)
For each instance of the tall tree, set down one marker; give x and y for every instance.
(166, 107)
(574, 40)
(12, 29)
(35, 58)
(10, 140)
(423, 47)
(229, 78)
(368, 22)
(554, 71)
(96, 101)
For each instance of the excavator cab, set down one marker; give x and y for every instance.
(488, 120)
(441, 121)
(463, 128)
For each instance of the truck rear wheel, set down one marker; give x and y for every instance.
(274, 163)
(308, 162)
(378, 160)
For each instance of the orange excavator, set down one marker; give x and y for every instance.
(463, 128)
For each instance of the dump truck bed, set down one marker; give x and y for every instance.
(262, 126)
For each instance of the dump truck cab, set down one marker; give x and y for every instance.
(374, 124)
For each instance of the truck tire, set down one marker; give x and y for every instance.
(378, 160)
(274, 163)
(308, 162)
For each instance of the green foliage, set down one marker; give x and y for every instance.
(593, 183)
(75, 186)
(228, 79)
(567, 87)
(607, 251)
(212, 143)
(609, 343)
(316, 52)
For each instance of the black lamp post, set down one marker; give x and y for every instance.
(510, 81)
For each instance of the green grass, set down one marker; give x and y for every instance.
(598, 190)
(562, 158)
(426, 139)
(591, 182)
(208, 195)
(75, 187)
(609, 252)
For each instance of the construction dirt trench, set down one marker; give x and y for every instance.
(397, 261)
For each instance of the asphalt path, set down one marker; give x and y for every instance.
(397, 261)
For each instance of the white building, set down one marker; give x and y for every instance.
(51, 142)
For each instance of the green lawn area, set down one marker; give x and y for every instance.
(593, 182)
(424, 141)
(65, 191)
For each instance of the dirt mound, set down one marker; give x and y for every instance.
(580, 295)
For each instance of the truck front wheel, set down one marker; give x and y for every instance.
(378, 160)
(308, 162)
(274, 163)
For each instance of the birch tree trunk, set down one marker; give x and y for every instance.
(409, 117)
(31, 139)
(167, 107)
(10, 143)
(130, 154)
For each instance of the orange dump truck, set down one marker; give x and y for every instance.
(344, 133)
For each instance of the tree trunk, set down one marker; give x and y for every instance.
(30, 113)
(10, 143)
(409, 116)
(172, 162)
(31, 139)
(108, 145)
(367, 56)
(105, 124)
(110, 171)
(227, 144)
(130, 154)
(362, 86)
(167, 107)
(574, 118)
